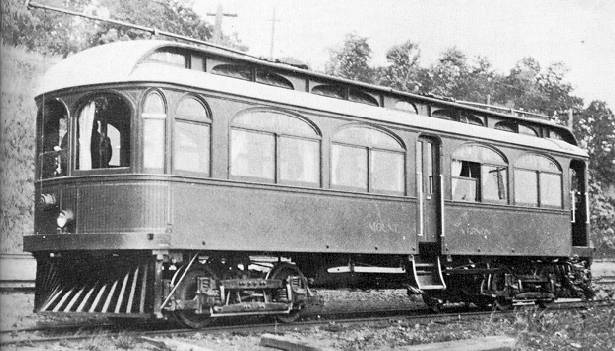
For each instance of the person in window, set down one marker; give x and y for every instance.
(100, 146)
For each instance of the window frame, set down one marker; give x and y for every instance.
(538, 172)
(402, 151)
(276, 150)
(480, 181)
(74, 142)
(143, 117)
(206, 121)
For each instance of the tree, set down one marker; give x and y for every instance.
(403, 72)
(351, 60)
(594, 127)
(52, 33)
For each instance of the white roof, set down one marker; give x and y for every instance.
(117, 62)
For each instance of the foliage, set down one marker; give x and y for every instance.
(528, 86)
(352, 59)
(53, 33)
(403, 72)
(19, 71)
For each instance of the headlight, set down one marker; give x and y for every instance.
(65, 217)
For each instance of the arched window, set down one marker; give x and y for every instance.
(275, 147)
(53, 143)
(523, 129)
(334, 91)
(471, 119)
(405, 106)
(445, 114)
(192, 137)
(235, 71)
(356, 95)
(506, 126)
(367, 159)
(478, 174)
(271, 78)
(538, 181)
(154, 118)
(103, 133)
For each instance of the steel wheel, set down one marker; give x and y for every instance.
(282, 272)
(187, 291)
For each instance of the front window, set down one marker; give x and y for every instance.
(154, 120)
(275, 147)
(538, 182)
(103, 133)
(53, 147)
(369, 160)
(192, 135)
(478, 174)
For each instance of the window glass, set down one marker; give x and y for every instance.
(537, 162)
(252, 154)
(527, 130)
(493, 179)
(550, 189)
(349, 166)
(103, 134)
(506, 126)
(53, 157)
(192, 108)
(478, 154)
(154, 114)
(153, 143)
(405, 106)
(367, 137)
(154, 105)
(526, 187)
(191, 147)
(464, 189)
(270, 78)
(475, 120)
(197, 63)
(387, 171)
(235, 71)
(172, 58)
(361, 97)
(555, 135)
(444, 114)
(333, 91)
(299, 160)
(275, 123)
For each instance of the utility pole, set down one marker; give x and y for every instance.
(218, 23)
(273, 21)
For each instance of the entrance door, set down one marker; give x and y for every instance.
(578, 203)
(428, 176)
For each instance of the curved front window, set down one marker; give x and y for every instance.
(103, 133)
(53, 147)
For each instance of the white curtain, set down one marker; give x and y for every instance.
(455, 172)
(86, 121)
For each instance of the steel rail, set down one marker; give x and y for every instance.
(339, 318)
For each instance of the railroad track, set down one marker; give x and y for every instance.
(69, 332)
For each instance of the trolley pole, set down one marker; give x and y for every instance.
(273, 21)
(218, 23)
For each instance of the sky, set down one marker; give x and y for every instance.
(579, 33)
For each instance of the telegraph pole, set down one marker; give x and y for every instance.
(218, 23)
(273, 21)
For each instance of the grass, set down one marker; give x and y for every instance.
(534, 329)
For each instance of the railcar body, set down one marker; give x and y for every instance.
(180, 181)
